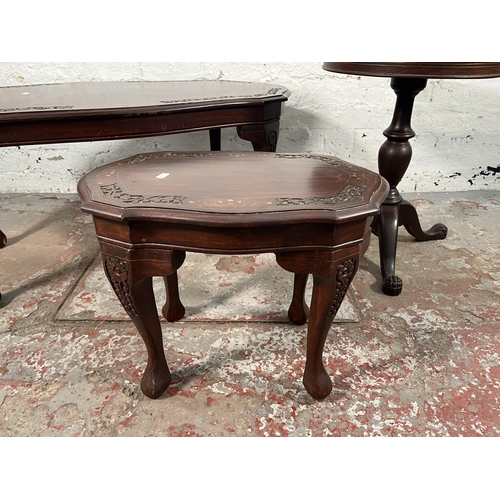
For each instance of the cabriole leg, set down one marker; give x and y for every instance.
(332, 274)
(137, 298)
(156, 377)
(173, 310)
(298, 311)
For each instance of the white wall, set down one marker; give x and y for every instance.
(457, 123)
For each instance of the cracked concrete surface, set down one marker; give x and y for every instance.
(425, 363)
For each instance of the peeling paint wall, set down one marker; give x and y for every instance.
(457, 123)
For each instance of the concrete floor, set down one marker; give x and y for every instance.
(425, 363)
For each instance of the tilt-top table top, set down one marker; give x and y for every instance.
(417, 70)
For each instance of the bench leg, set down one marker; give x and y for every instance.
(332, 274)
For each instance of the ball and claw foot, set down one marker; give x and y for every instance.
(438, 231)
(393, 285)
(317, 383)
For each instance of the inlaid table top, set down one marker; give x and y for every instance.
(94, 97)
(81, 111)
(239, 188)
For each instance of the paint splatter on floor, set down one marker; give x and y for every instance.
(425, 363)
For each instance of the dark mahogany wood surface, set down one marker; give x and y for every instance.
(241, 187)
(407, 81)
(417, 69)
(312, 211)
(89, 111)
(97, 111)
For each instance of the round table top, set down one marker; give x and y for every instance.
(232, 187)
(417, 70)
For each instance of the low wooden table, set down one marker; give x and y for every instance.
(407, 81)
(313, 212)
(98, 111)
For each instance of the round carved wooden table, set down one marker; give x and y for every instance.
(407, 80)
